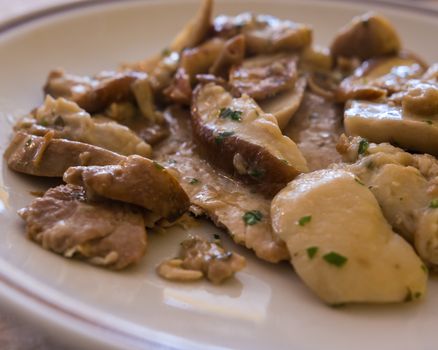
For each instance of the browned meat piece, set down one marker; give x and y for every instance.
(109, 234)
(238, 137)
(92, 93)
(199, 258)
(224, 200)
(45, 156)
(316, 127)
(135, 180)
(264, 76)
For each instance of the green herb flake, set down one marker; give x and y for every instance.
(216, 237)
(424, 268)
(222, 135)
(311, 252)
(158, 166)
(252, 217)
(43, 122)
(363, 146)
(336, 259)
(193, 181)
(304, 220)
(256, 173)
(434, 203)
(28, 142)
(430, 122)
(358, 181)
(166, 52)
(417, 295)
(228, 113)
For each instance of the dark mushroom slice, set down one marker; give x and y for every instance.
(238, 137)
(65, 221)
(366, 36)
(92, 93)
(265, 34)
(70, 121)
(134, 180)
(264, 76)
(231, 205)
(50, 157)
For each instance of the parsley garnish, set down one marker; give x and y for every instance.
(216, 237)
(336, 259)
(256, 173)
(28, 142)
(252, 217)
(430, 122)
(193, 181)
(363, 146)
(304, 220)
(158, 166)
(166, 52)
(229, 113)
(358, 181)
(434, 203)
(222, 135)
(424, 268)
(311, 252)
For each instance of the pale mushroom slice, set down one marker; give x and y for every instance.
(71, 122)
(238, 137)
(264, 33)
(340, 243)
(284, 106)
(380, 77)
(265, 75)
(366, 36)
(380, 122)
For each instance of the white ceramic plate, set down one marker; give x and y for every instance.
(266, 306)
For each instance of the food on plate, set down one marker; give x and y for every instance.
(241, 139)
(134, 180)
(47, 156)
(66, 222)
(340, 243)
(200, 258)
(241, 119)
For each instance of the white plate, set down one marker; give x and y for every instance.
(266, 306)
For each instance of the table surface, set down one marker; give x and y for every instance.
(15, 334)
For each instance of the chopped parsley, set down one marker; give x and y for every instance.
(336, 259)
(230, 114)
(222, 135)
(252, 217)
(158, 166)
(363, 146)
(430, 122)
(424, 268)
(358, 181)
(256, 173)
(216, 237)
(311, 252)
(28, 142)
(304, 220)
(417, 295)
(434, 203)
(166, 52)
(193, 181)
(43, 122)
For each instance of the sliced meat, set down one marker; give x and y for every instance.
(135, 180)
(92, 93)
(106, 233)
(238, 137)
(71, 122)
(264, 76)
(316, 127)
(225, 201)
(46, 156)
(200, 255)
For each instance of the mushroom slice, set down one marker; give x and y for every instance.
(376, 78)
(134, 180)
(379, 122)
(70, 121)
(45, 156)
(237, 136)
(264, 33)
(340, 243)
(264, 76)
(366, 36)
(92, 93)
(431, 73)
(232, 53)
(284, 105)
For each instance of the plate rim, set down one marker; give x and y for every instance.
(23, 300)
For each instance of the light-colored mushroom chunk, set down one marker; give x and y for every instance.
(284, 105)
(340, 243)
(237, 136)
(380, 122)
(366, 36)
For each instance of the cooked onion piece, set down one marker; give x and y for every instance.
(340, 243)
